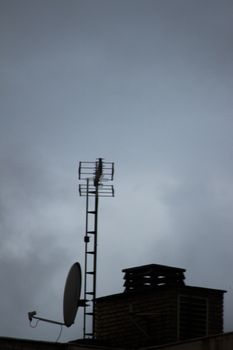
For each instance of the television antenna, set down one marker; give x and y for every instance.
(95, 174)
(71, 298)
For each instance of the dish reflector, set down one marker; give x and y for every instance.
(71, 295)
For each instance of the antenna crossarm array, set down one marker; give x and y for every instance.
(100, 169)
(95, 174)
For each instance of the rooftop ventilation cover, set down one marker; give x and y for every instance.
(152, 276)
(192, 316)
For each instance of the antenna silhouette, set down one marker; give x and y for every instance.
(95, 174)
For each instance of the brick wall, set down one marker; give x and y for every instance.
(152, 316)
(137, 318)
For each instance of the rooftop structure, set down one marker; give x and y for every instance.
(156, 308)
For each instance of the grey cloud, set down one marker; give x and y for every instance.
(33, 254)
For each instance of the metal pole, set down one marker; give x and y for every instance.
(95, 255)
(86, 240)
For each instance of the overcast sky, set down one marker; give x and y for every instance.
(147, 84)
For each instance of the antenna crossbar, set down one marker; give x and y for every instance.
(103, 191)
(91, 170)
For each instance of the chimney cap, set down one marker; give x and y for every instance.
(152, 276)
(154, 268)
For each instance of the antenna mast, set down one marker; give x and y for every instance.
(95, 175)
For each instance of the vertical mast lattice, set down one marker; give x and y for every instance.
(95, 174)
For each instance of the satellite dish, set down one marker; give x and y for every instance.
(71, 295)
(71, 298)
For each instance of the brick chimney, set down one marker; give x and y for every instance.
(157, 307)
